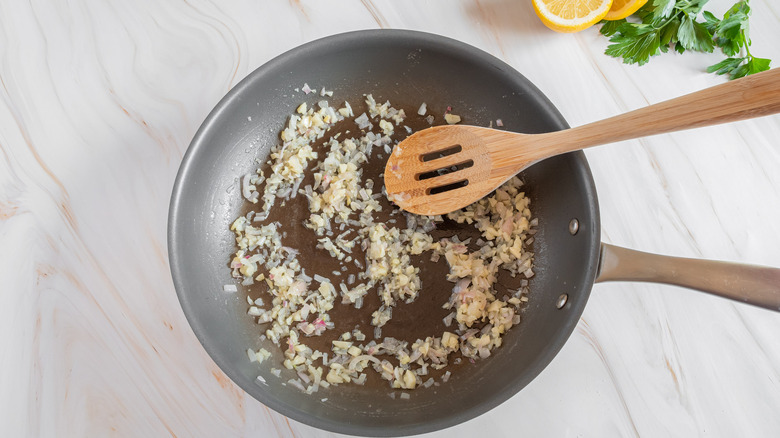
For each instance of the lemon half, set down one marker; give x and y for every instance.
(571, 15)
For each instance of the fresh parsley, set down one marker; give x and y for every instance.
(663, 25)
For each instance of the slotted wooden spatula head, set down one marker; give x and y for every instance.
(445, 168)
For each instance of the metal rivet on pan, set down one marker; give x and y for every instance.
(562, 301)
(574, 226)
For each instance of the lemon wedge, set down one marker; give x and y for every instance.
(623, 8)
(571, 15)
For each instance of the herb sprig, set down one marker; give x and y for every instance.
(664, 25)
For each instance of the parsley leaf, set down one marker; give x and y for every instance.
(694, 35)
(756, 65)
(634, 43)
(609, 28)
(669, 33)
(731, 32)
(731, 35)
(725, 66)
(676, 25)
(710, 21)
(739, 67)
(663, 8)
(739, 72)
(691, 6)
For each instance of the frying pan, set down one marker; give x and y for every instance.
(407, 67)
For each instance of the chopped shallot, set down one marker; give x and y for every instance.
(341, 219)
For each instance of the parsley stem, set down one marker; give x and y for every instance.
(747, 44)
(668, 20)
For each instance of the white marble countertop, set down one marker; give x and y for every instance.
(99, 100)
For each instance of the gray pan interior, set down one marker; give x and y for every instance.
(405, 67)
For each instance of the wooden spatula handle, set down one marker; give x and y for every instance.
(753, 96)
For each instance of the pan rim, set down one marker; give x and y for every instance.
(212, 121)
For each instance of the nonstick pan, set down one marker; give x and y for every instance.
(407, 68)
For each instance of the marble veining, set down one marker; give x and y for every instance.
(99, 100)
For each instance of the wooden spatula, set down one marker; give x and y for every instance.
(445, 168)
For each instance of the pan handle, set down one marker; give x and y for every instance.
(751, 284)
